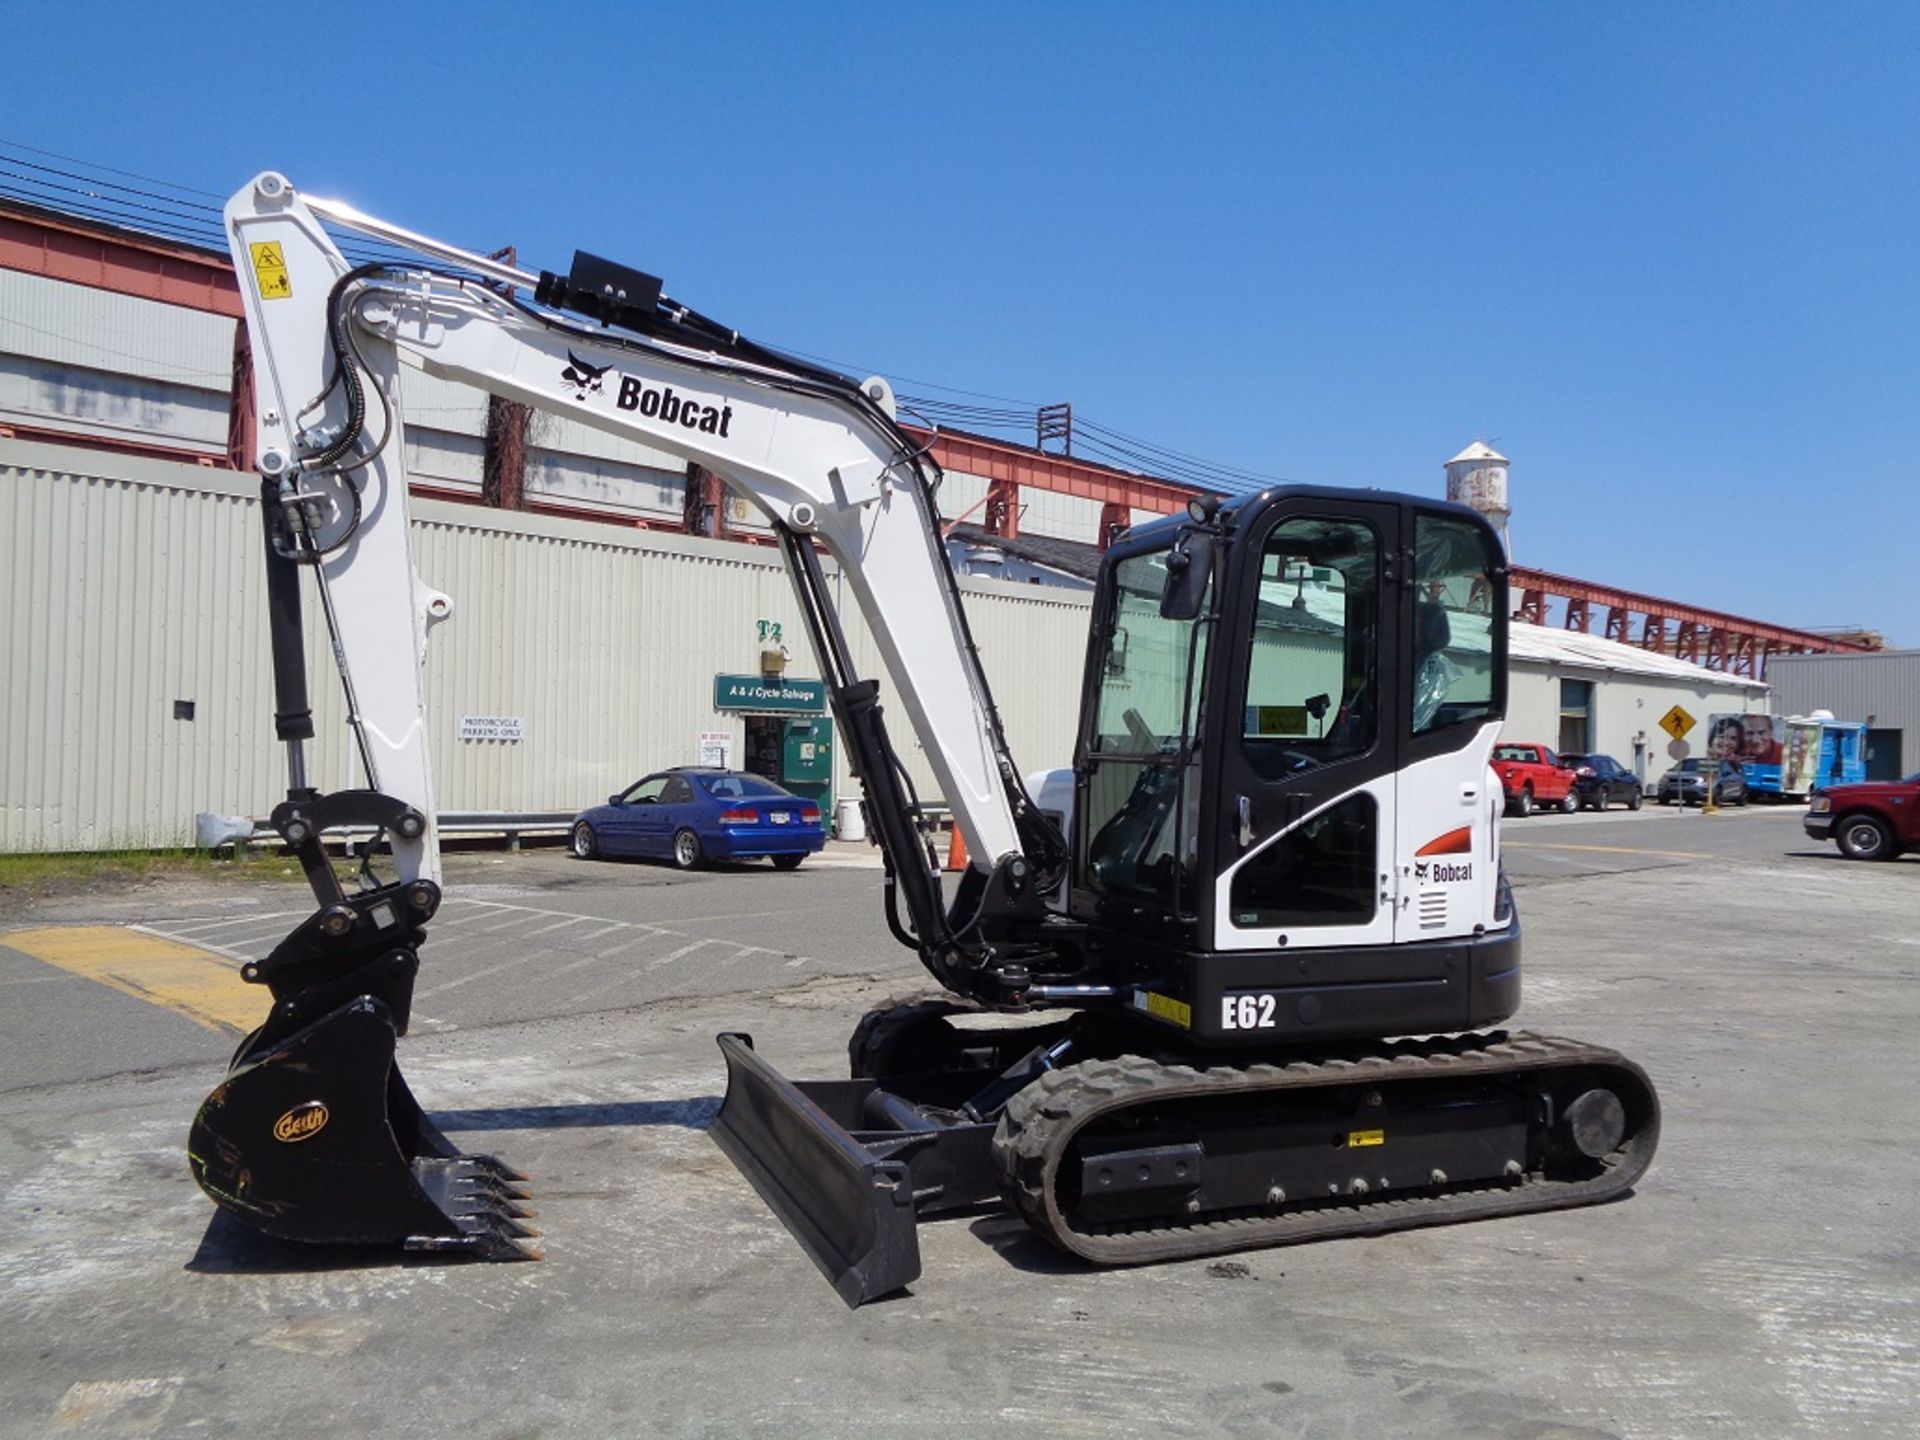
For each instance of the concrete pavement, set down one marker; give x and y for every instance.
(1762, 1280)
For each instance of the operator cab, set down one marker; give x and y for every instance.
(1281, 786)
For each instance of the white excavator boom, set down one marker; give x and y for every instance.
(824, 463)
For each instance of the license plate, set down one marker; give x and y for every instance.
(781, 817)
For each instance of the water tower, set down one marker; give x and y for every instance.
(1477, 477)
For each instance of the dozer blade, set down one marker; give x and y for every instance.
(317, 1138)
(853, 1213)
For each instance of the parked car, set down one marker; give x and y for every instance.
(1532, 775)
(691, 815)
(1874, 820)
(1686, 783)
(1601, 780)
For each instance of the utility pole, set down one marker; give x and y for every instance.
(1054, 422)
(503, 467)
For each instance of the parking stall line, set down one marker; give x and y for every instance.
(510, 922)
(573, 965)
(523, 909)
(600, 957)
(444, 921)
(683, 951)
(515, 962)
(560, 925)
(742, 951)
(1613, 850)
(648, 933)
(733, 915)
(191, 928)
(625, 977)
(250, 947)
(224, 951)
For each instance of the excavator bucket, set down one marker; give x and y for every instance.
(317, 1138)
(313, 1135)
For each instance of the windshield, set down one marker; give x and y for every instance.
(740, 787)
(1140, 821)
(1144, 691)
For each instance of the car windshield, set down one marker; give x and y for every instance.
(1688, 767)
(1513, 752)
(740, 787)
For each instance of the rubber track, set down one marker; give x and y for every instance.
(881, 1028)
(1038, 1126)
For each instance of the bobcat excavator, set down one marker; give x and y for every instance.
(1227, 982)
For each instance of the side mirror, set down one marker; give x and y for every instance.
(1189, 566)
(613, 800)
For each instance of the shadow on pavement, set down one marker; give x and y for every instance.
(695, 1113)
(231, 1248)
(1834, 855)
(1014, 1243)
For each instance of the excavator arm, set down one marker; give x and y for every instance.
(818, 453)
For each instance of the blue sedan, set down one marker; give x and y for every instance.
(690, 816)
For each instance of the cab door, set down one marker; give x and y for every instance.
(1305, 727)
(1446, 862)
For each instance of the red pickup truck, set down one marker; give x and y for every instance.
(1873, 820)
(1532, 775)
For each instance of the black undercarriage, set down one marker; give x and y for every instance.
(1121, 1151)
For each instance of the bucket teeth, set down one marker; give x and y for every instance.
(485, 1203)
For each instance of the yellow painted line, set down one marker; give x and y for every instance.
(188, 981)
(1613, 850)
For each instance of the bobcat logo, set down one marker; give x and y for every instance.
(1420, 872)
(584, 378)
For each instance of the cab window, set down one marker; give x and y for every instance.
(1140, 818)
(1312, 666)
(1456, 675)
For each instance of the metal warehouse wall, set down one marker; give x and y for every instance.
(1884, 685)
(131, 584)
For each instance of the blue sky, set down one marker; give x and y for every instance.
(1666, 257)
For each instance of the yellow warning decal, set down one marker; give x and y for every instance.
(1165, 1007)
(1358, 1138)
(270, 270)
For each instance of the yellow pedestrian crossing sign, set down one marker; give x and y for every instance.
(270, 270)
(1677, 722)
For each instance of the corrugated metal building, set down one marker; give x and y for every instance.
(137, 680)
(1882, 690)
(1583, 694)
(137, 686)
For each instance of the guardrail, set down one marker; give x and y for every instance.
(510, 823)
